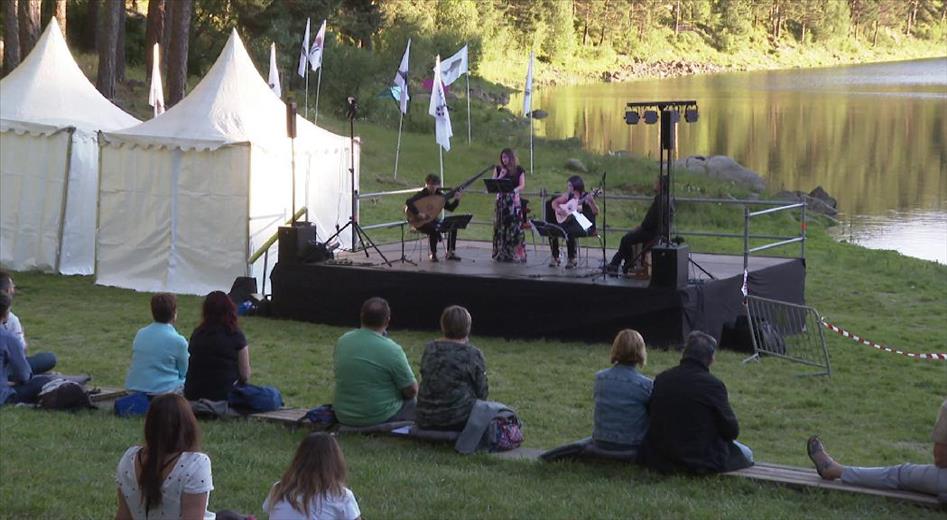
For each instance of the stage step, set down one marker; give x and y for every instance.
(805, 477)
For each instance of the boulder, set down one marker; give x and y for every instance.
(823, 196)
(539, 114)
(816, 205)
(576, 165)
(724, 168)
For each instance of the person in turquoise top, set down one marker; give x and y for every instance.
(374, 383)
(159, 352)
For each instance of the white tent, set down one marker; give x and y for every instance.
(49, 116)
(187, 197)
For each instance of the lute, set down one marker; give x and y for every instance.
(432, 205)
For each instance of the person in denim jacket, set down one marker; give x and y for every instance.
(622, 395)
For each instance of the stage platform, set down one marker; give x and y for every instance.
(529, 300)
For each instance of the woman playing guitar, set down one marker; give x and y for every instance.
(575, 202)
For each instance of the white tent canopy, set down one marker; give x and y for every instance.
(49, 116)
(188, 196)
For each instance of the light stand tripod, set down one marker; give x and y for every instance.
(358, 234)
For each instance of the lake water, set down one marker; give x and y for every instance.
(873, 136)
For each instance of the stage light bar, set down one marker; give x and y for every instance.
(632, 117)
(650, 116)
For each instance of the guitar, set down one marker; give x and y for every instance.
(565, 210)
(432, 205)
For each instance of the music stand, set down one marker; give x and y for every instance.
(454, 223)
(549, 230)
(499, 185)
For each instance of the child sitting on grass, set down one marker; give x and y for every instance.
(313, 487)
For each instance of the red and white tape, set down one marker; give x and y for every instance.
(842, 332)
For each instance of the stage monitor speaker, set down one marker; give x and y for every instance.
(293, 240)
(669, 266)
(242, 289)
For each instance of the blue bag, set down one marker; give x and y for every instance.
(255, 399)
(132, 405)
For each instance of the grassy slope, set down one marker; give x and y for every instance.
(876, 409)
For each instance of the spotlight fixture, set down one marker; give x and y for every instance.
(632, 117)
(650, 116)
(690, 114)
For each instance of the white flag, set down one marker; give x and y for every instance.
(528, 92)
(315, 52)
(156, 94)
(304, 53)
(401, 79)
(455, 66)
(274, 72)
(438, 109)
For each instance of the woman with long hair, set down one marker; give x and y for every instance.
(508, 239)
(220, 356)
(167, 477)
(314, 484)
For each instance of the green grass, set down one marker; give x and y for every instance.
(876, 409)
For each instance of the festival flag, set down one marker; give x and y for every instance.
(528, 92)
(304, 53)
(438, 109)
(455, 66)
(156, 94)
(274, 73)
(318, 44)
(401, 80)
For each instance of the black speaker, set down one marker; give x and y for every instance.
(293, 240)
(668, 120)
(242, 289)
(669, 266)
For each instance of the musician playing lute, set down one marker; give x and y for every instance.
(432, 186)
(571, 207)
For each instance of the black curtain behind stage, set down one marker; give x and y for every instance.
(519, 307)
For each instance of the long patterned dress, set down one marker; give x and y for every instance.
(508, 237)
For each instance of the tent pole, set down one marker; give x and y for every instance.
(292, 148)
(318, 88)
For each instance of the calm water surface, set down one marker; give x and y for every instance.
(874, 136)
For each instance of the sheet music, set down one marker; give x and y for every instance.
(584, 222)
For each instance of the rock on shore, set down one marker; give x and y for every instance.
(724, 168)
(659, 69)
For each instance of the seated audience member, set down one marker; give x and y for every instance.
(692, 427)
(930, 479)
(374, 383)
(159, 352)
(220, 357)
(23, 387)
(168, 477)
(622, 395)
(453, 375)
(313, 486)
(41, 362)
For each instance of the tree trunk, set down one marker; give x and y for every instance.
(166, 34)
(677, 17)
(11, 37)
(177, 51)
(90, 33)
(154, 29)
(29, 24)
(107, 41)
(601, 38)
(59, 11)
(120, 20)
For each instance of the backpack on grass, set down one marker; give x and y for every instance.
(61, 394)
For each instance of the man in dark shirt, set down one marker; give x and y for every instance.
(644, 233)
(432, 185)
(692, 427)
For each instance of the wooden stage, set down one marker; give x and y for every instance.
(529, 300)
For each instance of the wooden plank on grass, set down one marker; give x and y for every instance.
(107, 393)
(804, 477)
(283, 415)
(518, 454)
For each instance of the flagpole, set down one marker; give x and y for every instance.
(468, 107)
(398, 148)
(318, 88)
(307, 91)
(531, 142)
(440, 150)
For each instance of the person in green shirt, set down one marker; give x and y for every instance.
(374, 383)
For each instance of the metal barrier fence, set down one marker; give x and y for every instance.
(544, 195)
(788, 331)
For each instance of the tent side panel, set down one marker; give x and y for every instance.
(134, 218)
(78, 235)
(271, 201)
(32, 187)
(209, 237)
(330, 186)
